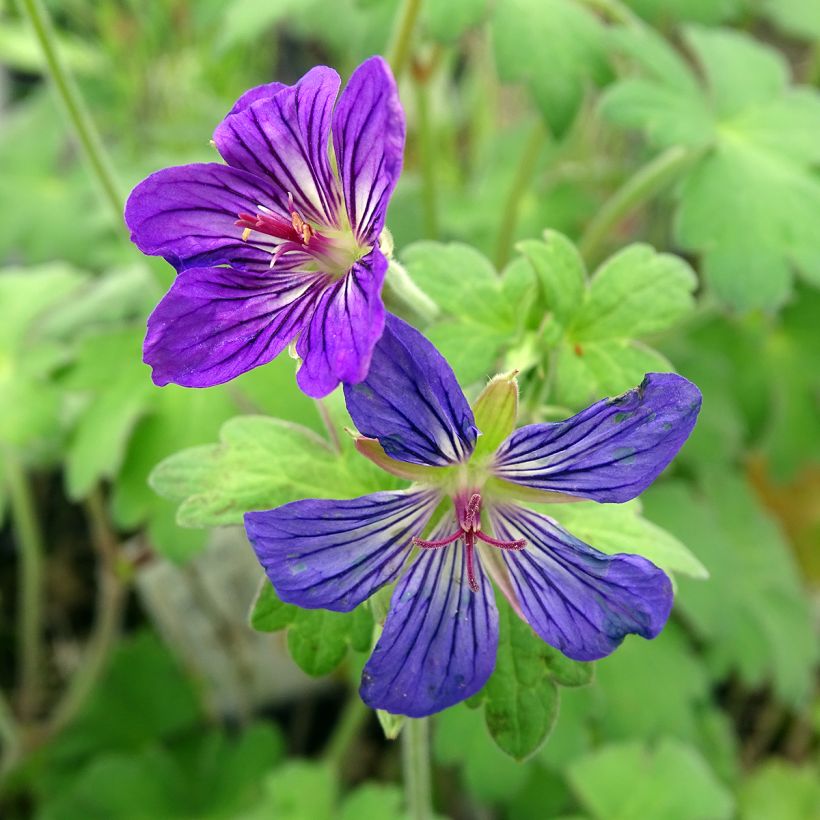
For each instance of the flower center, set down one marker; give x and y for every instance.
(469, 519)
(301, 245)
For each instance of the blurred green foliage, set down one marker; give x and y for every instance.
(540, 114)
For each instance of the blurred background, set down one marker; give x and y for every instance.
(132, 683)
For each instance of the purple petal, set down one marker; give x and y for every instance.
(252, 95)
(368, 136)
(347, 323)
(439, 641)
(411, 401)
(613, 450)
(187, 215)
(336, 554)
(577, 599)
(285, 139)
(216, 323)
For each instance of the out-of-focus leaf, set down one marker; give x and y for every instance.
(614, 528)
(31, 403)
(708, 12)
(20, 50)
(555, 47)
(746, 202)
(299, 790)
(798, 17)
(780, 790)
(669, 782)
(110, 372)
(446, 22)
(461, 739)
(374, 801)
(752, 614)
(177, 418)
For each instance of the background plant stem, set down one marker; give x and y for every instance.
(645, 183)
(520, 185)
(111, 594)
(30, 584)
(350, 723)
(415, 742)
(74, 105)
(427, 154)
(399, 49)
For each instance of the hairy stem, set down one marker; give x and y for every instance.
(111, 595)
(399, 49)
(645, 183)
(73, 104)
(30, 584)
(519, 187)
(400, 289)
(415, 739)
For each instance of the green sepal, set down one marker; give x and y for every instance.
(496, 410)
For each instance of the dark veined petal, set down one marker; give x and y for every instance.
(336, 554)
(347, 323)
(610, 452)
(187, 215)
(216, 323)
(577, 599)
(258, 92)
(285, 138)
(368, 137)
(411, 401)
(440, 638)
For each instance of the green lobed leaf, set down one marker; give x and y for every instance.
(520, 698)
(560, 272)
(753, 615)
(447, 22)
(635, 292)
(746, 202)
(614, 528)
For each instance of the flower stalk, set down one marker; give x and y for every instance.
(415, 745)
(519, 187)
(30, 584)
(70, 98)
(399, 49)
(646, 182)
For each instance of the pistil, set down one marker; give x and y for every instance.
(469, 530)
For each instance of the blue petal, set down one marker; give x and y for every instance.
(259, 92)
(439, 641)
(610, 452)
(577, 599)
(411, 401)
(336, 554)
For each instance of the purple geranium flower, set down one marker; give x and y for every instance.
(281, 242)
(439, 640)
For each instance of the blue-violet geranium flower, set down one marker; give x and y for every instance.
(281, 242)
(440, 637)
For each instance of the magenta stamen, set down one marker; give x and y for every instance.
(502, 545)
(434, 545)
(469, 530)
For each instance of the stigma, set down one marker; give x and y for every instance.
(469, 530)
